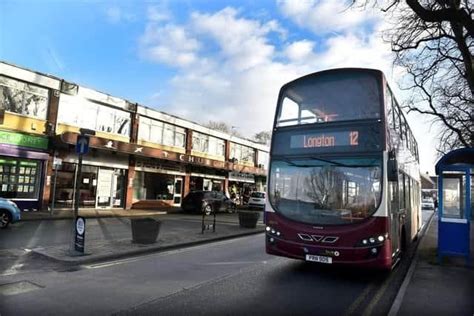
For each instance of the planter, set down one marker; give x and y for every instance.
(145, 230)
(248, 219)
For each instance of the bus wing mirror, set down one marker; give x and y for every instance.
(392, 169)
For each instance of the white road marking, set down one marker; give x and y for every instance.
(235, 262)
(13, 269)
(166, 253)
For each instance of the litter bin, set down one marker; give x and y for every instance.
(248, 219)
(145, 230)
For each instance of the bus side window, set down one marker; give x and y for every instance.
(401, 190)
(408, 193)
(393, 185)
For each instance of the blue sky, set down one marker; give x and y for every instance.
(201, 60)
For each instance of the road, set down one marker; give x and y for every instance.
(232, 277)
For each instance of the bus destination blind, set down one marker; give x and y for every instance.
(325, 140)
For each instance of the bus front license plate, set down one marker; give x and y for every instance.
(320, 259)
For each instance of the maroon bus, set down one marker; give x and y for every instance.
(344, 182)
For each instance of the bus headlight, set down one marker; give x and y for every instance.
(272, 232)
(376, 240)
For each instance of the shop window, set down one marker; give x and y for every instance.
(168, 136)
(156, 132)
(158, 186)
(80, 112)
(19, 178)
(65, 176)
(208, 144)
(263, 159)
(161, 133)
(242, 153)
(22, 98)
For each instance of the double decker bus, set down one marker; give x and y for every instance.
(344, 181)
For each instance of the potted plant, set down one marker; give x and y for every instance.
(145, 230)
(248, 219)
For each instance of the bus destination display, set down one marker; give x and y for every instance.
(328, 139)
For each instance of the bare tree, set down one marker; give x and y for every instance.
(324, 186)
(434, 41)
(223, 127)
(263, 137)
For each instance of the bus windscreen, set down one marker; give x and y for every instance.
(326, 191)
(330, 97)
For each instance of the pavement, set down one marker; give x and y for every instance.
(96, 213)
(433, 288)
(177, 230)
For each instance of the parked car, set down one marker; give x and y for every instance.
(207, 201)
(9, 213)
(257, 199)
(427, 204)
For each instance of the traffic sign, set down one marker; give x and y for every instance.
(82, 145)
(80, 235)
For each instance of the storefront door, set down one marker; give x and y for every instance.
(178, 185)
(105, 185)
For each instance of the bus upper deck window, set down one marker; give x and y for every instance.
(289, 112)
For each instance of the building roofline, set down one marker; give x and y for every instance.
(54, 82)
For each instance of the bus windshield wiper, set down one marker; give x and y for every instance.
(291, 163)
(331, 162)
(343, 164)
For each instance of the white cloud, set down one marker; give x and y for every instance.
(242, 42)
(169, 44)
(116, 15)
(300, 51)
(228, 68)
(158, 13)
(324, 16)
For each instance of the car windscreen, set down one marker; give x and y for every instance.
(326, 192)
(259, 195)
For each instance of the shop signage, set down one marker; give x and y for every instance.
(241, 177)
(157, 166)
(139, 150)
(23, 140)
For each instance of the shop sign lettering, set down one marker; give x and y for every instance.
(23, 140)
(139, 150)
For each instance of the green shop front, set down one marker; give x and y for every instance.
(23, 160)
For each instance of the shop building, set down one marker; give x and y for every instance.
(139, 157)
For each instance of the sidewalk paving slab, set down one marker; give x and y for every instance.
(439, 289)
(188, 234)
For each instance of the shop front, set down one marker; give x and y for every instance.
(158, 180)
(101, 183)
(206, 179)
(22, 168)
(240, 186)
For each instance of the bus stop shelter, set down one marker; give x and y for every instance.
(455, 172)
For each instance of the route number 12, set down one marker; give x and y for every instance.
(354, 138)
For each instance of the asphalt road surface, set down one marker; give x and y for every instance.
(232, 277)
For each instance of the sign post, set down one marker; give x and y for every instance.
(82, 148)
(56, 164)
(80, 234)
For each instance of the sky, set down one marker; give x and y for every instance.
(201, 60)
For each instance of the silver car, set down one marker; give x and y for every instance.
(9, 213)
(257, 199)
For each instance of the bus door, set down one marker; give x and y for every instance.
(394, 214)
